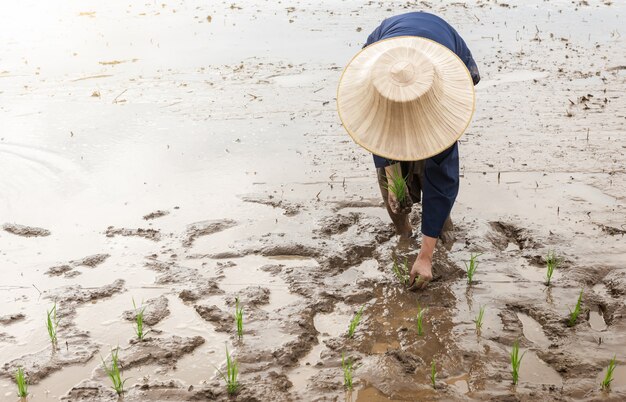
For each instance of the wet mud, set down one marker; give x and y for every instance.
(25, 231)
(150, 234)
(258, 195)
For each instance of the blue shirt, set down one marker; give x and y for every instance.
(441, 172)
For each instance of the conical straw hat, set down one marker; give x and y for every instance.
(406, 98)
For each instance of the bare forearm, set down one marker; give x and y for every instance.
(428, 248)
(392, 171)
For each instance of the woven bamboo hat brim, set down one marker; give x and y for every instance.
(406, 98)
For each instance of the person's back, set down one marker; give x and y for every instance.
(427, 26)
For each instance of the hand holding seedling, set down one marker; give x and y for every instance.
(422, 272)
(397, 190)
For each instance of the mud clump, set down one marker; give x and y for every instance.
(155, 310)
(76, 294)
(222, 320)
(289, 354)
(251, 296)
(156, 214)
(615, 282)
(272, 386)
(162, 351)
(444, 269)
(150, 234)
(504, 233)
(273, 269)
(89, 391)
(337, 224)
(68, 271)
(91, 261)
(408, 361)
(288, 208)
(25, 231)
(11, 318)
(58, 270)
(191, 284)
(205, 228)
(289, 249)
(611, 231)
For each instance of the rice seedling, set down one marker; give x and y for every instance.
(420, 318)
(346, 365)
(22, 385)
(113, 371)
(552, 262)
(355, 322)
(471, 267)
(139, 321)
(52, 323)
(232, 372)
(401, 271)
(433, 374)
(396, 184)
(479, 319)
(239, 318)
(573, 314)
(516, 361)
(608, 377)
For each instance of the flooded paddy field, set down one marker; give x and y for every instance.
(185, 154)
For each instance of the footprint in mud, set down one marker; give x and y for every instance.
(502, 234)
(533, 331)
(205, 228)
(289, 209)
(533, 370)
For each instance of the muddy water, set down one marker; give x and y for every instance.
(227, 126)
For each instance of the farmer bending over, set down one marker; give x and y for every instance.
(407, 97)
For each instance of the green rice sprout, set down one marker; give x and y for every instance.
(401, 271)
(420, 318)
(608, 377)
(52, 323)
(355, 322)
(433, 374)
(573, 314)
(552, 262)
(232, 372)
(113, 371)
(396, 184)
(346, 365)
(479, 319)
(22, 385)
(139, 321)
(239, 318)
(516, 361)
(471, 267)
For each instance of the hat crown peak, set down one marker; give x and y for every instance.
(403, 74)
